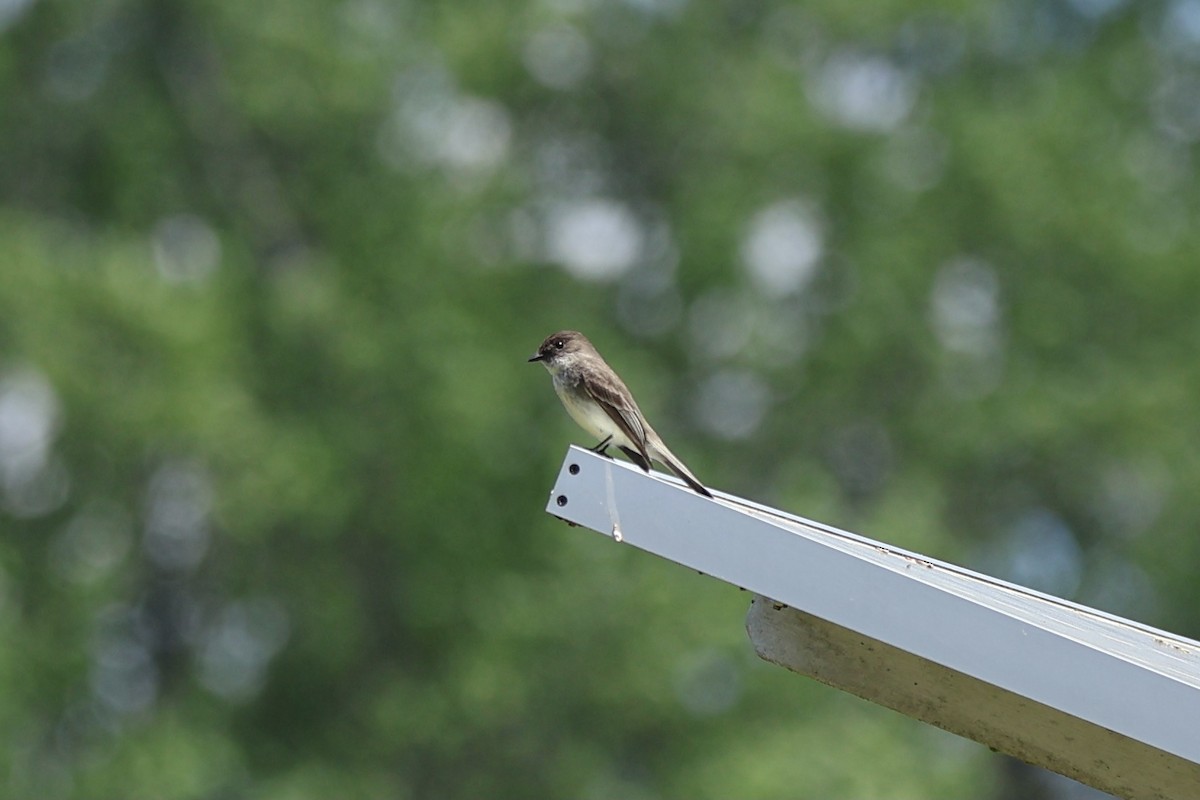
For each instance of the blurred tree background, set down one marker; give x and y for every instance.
(272, 466)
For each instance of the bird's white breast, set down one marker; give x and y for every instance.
(588, 413)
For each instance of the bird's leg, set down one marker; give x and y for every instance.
(602, 448)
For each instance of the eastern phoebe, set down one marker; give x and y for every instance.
(599, 401)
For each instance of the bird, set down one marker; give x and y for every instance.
(596, 398)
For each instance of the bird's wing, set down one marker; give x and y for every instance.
(622, 412)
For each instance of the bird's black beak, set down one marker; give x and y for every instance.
(536, 357)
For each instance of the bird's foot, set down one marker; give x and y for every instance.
(602, 447)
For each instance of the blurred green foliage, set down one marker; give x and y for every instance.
(272, 465)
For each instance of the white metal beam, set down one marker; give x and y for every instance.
(1107, 701)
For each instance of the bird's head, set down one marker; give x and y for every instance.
(561, 348)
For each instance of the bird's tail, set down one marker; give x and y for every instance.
(676, 466)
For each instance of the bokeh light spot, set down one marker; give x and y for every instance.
(731, 404)
(238, 647)
(863, 92)
(186, 249)
(782, 246)
(557, 56)
(965, 307)
(34, 481)
(178, 503)
(594, 239)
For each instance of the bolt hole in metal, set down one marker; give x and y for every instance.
(573, 469)
(561, 500)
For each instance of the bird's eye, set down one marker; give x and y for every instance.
(559, 343)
